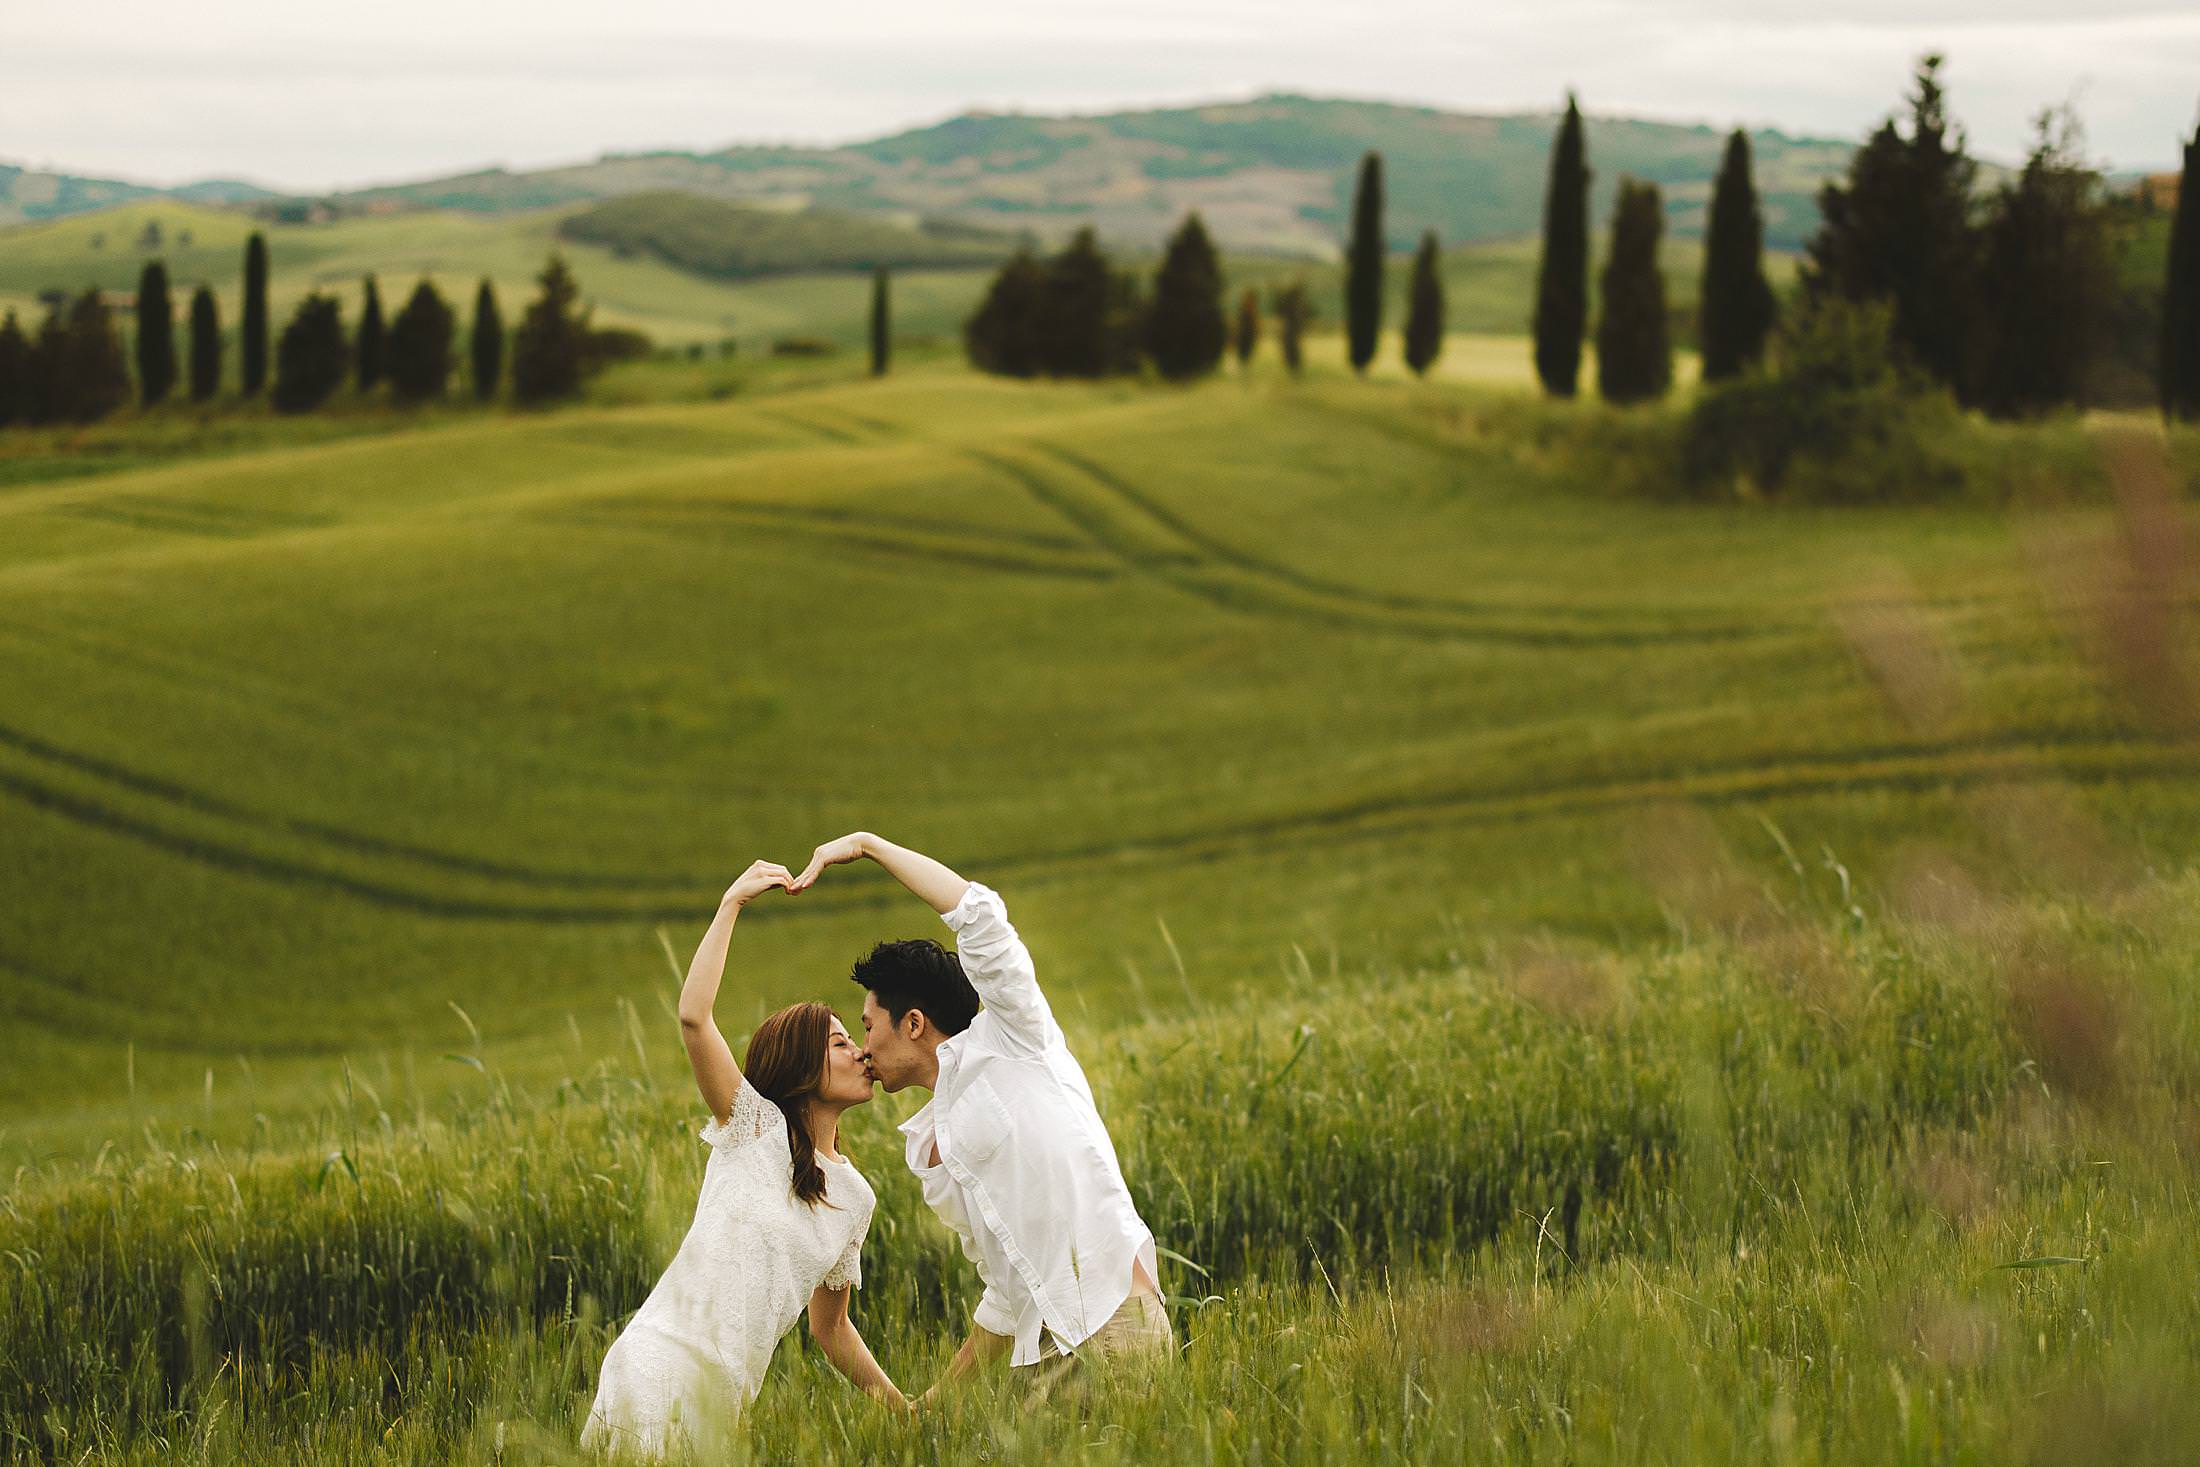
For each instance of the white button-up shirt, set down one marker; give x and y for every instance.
(1026, 1175)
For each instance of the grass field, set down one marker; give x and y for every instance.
(1414, 831)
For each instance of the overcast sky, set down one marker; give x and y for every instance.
(303, 95)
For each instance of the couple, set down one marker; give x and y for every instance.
(1010, 1151)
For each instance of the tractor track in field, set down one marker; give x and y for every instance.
(176, 516)
(66, 1008)
(2010, 758)
(1153, 509)
(887, 535)
(1189, 560)
(201, 802)
(830, 432)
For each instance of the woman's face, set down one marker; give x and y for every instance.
(845, 1082)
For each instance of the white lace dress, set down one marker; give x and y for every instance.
(694, 1354)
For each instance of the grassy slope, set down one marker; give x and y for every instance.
(328, 737)
(456, 251)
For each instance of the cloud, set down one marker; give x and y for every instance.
(247, 87)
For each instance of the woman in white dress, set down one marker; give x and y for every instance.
(778, 1229)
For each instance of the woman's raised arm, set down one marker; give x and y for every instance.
(716, 1075)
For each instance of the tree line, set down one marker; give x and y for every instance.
(1075, 314)
(2005, 300)
(74, 368)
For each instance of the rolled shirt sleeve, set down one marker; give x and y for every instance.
(999, 966)
(994, 1314)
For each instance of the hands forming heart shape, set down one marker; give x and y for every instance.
(762, 876)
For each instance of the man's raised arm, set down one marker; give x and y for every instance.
(926, 877)
(993, 957)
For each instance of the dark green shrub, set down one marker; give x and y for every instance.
(550, 348)
(419, 353)
(312, 356)
(1834, 418)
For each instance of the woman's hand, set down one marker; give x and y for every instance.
(833, 853)
(761, 877)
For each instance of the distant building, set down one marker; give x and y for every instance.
(2159, 191)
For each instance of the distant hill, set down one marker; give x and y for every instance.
(732, 241)
(29, 193)
(1273, 173)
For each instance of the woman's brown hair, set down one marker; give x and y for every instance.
(786, 1064)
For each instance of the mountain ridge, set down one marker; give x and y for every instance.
(1267, 173)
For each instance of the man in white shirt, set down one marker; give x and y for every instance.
(1010, 1150)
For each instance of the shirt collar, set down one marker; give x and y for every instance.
(921, 1122)
(949, 1052)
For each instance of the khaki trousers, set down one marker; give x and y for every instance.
(1136, 1337)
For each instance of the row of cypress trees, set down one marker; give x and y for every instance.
(1074, 314)
(1736, 306)
(2005, 301)
(75, 368)
(1365, 255)
(413, 353)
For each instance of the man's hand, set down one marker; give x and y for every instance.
(833, 853)
(761, 877)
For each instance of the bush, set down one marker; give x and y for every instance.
(802, 346)
(419, 354)
(80, 373)
(311, 357)
(1071, 315)
(550, 348)
(1833, 419)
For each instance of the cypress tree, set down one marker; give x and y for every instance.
(881, 324)
(1562, 276)
(1128, 314)
(1291, 314)
(370, 348)
(550, 348)
(90, 371)
(1363, 283)
(487, 342)
(206, 344)
(1634, 354)
(420, 346)
(2180, 371)
(1186, 333)
(1001, 335)
(1425, 309)
(48, 357)
(15, 372)
(1737, 305)
(156, 334)
(1899, 229)
(310, 358)
(254, 349)
(1070, 314)
(1247, 335)
(2046, 265)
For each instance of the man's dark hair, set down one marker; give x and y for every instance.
(917, 973)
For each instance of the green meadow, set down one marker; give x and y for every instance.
(1575, 974)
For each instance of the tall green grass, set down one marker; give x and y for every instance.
(1807, 1191)
(1594, 1112)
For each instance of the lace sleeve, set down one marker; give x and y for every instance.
(848, 1272)
(752, 1119)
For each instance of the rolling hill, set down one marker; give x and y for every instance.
(304, 745)
(1272, 173)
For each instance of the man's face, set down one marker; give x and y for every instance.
(891, 1054)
